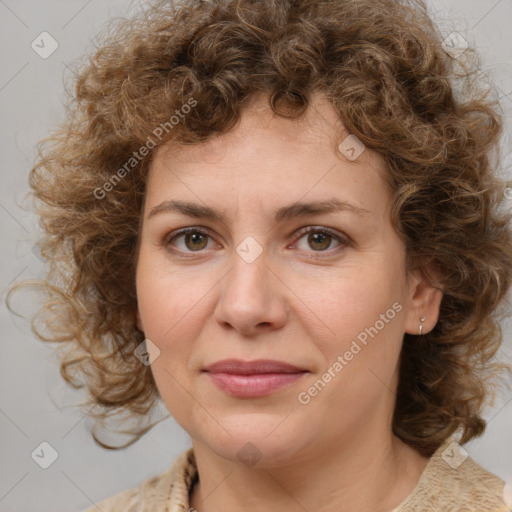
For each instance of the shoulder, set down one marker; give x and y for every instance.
(166, 492)
(453, 481)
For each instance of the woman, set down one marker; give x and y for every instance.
(281, 219)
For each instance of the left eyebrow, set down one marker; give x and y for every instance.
(297, 209)
(300, 209)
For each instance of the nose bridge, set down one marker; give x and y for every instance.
(248, 278)
(249, 262)
(249, 296)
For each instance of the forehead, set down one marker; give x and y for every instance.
(267, 158)
(319, 124)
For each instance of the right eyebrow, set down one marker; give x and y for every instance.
(186, 208)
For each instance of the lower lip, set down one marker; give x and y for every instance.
(251, 386)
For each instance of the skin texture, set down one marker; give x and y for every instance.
(294, 303)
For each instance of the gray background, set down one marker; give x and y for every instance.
(35, 405)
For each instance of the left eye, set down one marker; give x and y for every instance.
(319, 240)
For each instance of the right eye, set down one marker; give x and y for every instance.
(189, 240)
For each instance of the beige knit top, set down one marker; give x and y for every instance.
(451, 482)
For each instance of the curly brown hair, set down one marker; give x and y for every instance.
(382, 65)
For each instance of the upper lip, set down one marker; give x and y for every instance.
(239, 367)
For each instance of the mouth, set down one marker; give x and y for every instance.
(252, 379)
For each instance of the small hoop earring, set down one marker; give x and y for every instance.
(422, 319)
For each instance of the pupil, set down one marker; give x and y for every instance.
(319, 241)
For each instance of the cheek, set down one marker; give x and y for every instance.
(355, 298)
(169, 300)
(364, 312)
(170, 307)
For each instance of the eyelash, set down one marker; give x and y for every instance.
(343, 241)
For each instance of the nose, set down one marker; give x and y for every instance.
(251, 298)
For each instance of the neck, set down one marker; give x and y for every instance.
(354, 476)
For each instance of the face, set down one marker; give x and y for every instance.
(267, 243)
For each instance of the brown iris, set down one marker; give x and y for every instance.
(196, 241)
(319, 241)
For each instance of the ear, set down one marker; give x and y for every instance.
(424, 303)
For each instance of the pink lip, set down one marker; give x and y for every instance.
(252, 379)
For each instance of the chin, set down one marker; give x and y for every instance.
(258, 441)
